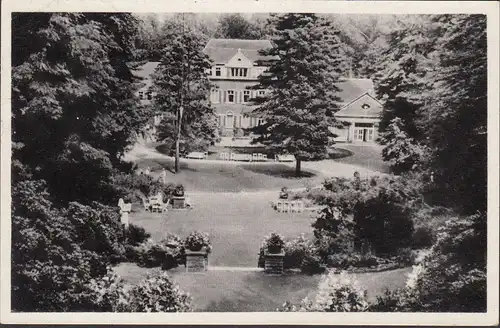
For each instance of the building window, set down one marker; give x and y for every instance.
(230, 96)
(261, 93)
(215, 96)
(246, 96)
(149, 95)
(217, 71)
(239, 72)
(141, 95)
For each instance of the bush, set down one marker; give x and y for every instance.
(312, 264)
(295, 251)
(134, 187)
(158, 294)
(336, 293)
(406, 257)
(451, 276)
(167, 254)
(423, 237)
(384, 223)
(136, 235)
(356, 260)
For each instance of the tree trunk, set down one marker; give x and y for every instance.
(297, 167)
(176, 169)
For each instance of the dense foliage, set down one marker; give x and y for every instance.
(158, 294)
(299, 106)
(367, 214)
(73, 105)
(336, 293)
(57, 252)
(435, 107)
(74, 114)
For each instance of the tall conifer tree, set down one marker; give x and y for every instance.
(298, 109)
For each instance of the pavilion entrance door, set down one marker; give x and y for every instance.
(363, 132)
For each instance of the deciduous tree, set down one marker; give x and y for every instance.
(182, 89)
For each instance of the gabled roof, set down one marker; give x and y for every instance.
(355, 108)
(221, 51)
(351, 89)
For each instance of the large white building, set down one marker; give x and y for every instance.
(237, 65)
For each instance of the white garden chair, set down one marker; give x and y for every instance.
(146, 204)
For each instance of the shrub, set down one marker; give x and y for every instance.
(334, 233)
(336, 293)
(158, 294)
(406, 256)
(136, 235)
(238, 133)
(312, 264)
(196, 240)
(383, 223)
(345, 261)
(423, 237)
(167, 254)
(295, 251)
(449, 277)
(134, 187)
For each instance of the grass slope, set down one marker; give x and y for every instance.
(225, 291)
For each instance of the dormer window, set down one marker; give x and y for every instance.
(239, 72)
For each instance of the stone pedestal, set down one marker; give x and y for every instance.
(196, 261)
(178, 202)
(273, 263)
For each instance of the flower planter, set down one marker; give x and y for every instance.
(196, 261)
(273, 263)
(274, 249)
(178, 202)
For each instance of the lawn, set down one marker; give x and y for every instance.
(230, 177)
(225, 291)
(236, 223)
(367, 156)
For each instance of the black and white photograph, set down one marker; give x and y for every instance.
(208, 160)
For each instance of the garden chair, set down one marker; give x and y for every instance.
(286, 206)
(255, 157)
(293, 207)
(146, 204)
(279, 206)
(264, 157)
(300, 206)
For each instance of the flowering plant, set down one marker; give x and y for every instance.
(336, 293)
(196, 240)
(274, 242)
